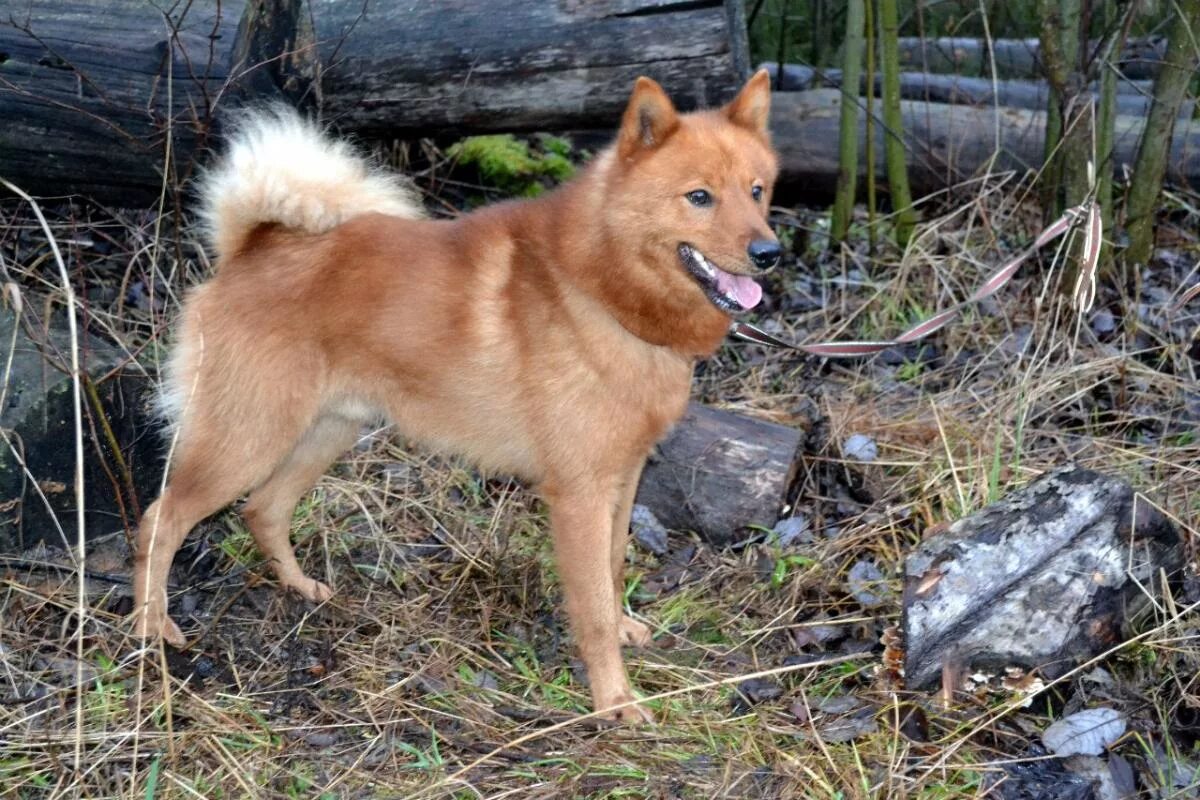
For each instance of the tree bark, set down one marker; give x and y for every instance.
(893, 124)
(1042, 579)
(848, 160)
(123, 454)
(1151, 163)
(92, 101)
(1107, 108)
(945, 143)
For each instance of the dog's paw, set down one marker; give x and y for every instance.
(152, 626)
(634, 633)
(624, 710)
(309, 588)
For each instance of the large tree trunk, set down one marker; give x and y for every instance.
(945, 143)
(95, 93)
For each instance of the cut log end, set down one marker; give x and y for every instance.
(719, 473)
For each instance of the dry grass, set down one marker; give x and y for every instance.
(442, 668)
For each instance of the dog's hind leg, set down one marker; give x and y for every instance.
(229, 442)
(268, 512)
(204, 480)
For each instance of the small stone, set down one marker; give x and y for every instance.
(840, 704)
(648, 531)
(1096, 772)
(843, 729)
(861, 448)
(866, 584)
(792, 530)
(1018, 343)
(754, 691)
(484, 679)
(188, 604)
(1103, 321)
(399, 473)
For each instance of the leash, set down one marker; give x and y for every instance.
(1086, 214)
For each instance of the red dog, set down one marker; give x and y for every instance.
(550, 338)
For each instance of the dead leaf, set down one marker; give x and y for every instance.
(1088, 732)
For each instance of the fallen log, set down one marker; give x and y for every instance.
(945, 143)
(719, 473)
(1133, 97)
(1045, 578)
(1014, 58)
(93, 99)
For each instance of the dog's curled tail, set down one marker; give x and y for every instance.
(281, 168)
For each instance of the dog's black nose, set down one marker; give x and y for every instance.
(764, 253)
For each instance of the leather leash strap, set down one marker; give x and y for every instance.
(1086, 214)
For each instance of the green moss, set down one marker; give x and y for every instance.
(512, 165)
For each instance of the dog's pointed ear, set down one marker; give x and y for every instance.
(751, 108)
(649, 118)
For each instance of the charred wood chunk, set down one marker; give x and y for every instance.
(1042, 579)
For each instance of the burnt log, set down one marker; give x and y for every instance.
(1041, 580)
(1133, 97)
(719, 473)
(945, 143)
(93, 95)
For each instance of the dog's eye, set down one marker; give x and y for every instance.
(756, 193)
(700, 198)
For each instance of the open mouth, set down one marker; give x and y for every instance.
(725, 290)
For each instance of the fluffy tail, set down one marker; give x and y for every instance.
(281, 168)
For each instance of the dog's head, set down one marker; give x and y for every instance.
(694, 193)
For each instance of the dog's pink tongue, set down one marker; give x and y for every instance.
(743, 289)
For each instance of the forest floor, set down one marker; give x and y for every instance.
(443, 666)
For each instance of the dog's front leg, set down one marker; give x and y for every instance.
(631, 631)
(581, 520)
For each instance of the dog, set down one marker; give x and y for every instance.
(551, 338)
